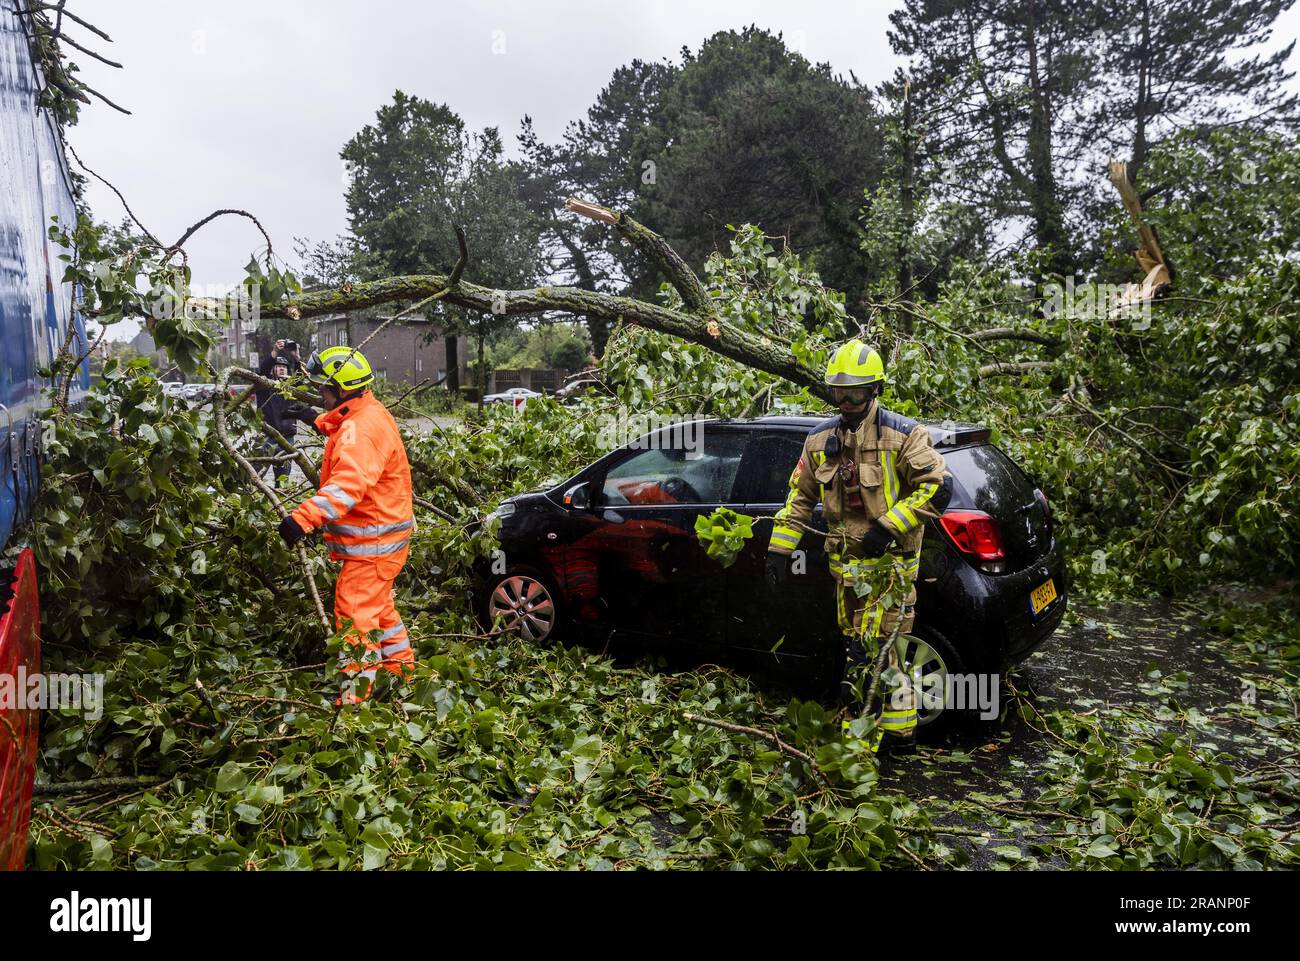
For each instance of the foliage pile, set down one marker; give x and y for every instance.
(498, 754)
(165, 575)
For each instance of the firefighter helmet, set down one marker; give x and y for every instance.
(854, 364)
(343, 367)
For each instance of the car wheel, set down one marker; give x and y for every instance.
(927, 651)
(524, 602)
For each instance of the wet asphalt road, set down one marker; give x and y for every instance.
(1145, 655)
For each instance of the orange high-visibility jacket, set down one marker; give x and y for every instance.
(364, 502)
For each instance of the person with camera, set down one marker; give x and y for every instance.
(280, 412)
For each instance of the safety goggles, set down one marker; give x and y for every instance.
(316, 370)
(854, 395)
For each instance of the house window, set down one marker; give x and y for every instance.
(343, 336)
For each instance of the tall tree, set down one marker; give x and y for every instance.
(1041, 93)
(742, 131)
(414, 173)
(1003, 83)
(911, 235)
(1180, 63)
(595, 159)
(750, 132)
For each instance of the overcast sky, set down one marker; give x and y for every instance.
(246, 103)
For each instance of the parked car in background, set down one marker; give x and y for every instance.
(613, 550)
(511, 396)
(198, 393)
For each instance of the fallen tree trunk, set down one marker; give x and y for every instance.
(696, 321)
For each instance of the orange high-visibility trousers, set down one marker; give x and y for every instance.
(364, 595)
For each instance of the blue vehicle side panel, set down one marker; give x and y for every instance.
(35, 306)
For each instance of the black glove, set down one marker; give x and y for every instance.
(877, 541)
(778, 569)
(290, 531)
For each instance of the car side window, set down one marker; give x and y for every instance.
(768, 466)
(677, 476)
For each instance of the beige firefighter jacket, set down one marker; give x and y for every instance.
(887, 469)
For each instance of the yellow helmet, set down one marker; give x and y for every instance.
(343, 367)
(854, 364)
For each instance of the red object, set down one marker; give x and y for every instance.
(974, 533)
(20, 646)
(645, 492)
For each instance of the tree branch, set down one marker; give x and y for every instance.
(213, 216)
(1013, 333)
(717, 335)
(770, 737)
(1001, 368)
(219, 407)
(693, 293)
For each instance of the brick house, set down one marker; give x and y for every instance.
(405, 352)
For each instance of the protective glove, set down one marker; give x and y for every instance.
(290, 531)
(778, 569)
(877, 541)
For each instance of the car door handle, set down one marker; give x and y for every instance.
(613, 517)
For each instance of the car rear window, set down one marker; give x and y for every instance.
(985, 479)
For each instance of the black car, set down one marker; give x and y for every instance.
(613, 549)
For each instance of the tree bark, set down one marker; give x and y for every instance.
(453, 363)
(695, 321)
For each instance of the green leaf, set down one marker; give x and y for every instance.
(231, 777)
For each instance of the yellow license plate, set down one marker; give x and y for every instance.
(1041, 596)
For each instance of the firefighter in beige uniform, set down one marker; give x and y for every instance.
(880, 479)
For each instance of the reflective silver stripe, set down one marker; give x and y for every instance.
(337, 493)
(392, 631)
(370, 530)
(403, 645)
(368, 550)
(324, 504)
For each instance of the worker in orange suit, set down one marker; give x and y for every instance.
(364, 507)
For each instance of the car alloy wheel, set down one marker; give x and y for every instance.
(523, 606)
(921, 660)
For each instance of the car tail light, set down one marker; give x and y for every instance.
(974, 533)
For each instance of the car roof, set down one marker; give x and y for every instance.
(946, 433)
